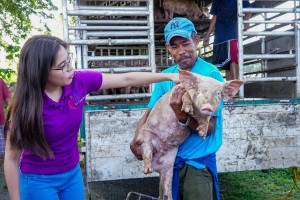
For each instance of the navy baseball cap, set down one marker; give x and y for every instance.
(179, 26)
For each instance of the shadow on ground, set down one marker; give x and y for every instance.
(118, 189)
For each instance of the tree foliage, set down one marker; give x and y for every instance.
(15, 22)
(8, 75)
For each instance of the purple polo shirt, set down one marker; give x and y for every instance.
(61, 125)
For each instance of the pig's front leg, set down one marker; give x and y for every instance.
(187, 104)
(203, 123)
(166, 174)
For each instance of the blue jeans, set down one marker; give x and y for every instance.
(63, 186)
(2, 141)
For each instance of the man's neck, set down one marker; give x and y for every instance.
(187, 68)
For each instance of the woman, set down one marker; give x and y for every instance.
(44, 117)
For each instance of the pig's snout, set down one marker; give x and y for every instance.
(207, 109)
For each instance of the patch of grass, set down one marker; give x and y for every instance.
(258, 185)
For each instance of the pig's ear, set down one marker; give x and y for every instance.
(188, 79)
(231, 88)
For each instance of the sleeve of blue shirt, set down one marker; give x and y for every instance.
(156, 94)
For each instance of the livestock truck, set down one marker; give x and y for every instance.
(261, 127)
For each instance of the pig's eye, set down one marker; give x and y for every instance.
(219, 94)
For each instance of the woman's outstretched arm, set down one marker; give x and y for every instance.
(135, 79)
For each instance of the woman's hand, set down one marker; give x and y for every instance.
(175, 78)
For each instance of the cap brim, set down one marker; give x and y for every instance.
(181, 33)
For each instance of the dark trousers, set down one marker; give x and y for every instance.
(196, 184)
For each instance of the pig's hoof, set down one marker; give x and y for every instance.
(188, 109)
(148, 170)
(202, 135)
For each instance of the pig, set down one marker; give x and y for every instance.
(158, 13)
(187, 8)
(205, 12)
(162, 135)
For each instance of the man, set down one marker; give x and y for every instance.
(225, 27)
(4, 97)
(196, 158)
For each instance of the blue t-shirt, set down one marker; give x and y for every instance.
(194, 146)
(226, 27)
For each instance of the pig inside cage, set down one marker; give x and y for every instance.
(112, 2)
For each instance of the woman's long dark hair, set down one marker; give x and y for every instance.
(24, 121)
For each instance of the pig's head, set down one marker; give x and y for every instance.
(206, 94)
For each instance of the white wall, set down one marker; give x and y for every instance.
(255, 137)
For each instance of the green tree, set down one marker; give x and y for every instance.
(8, 75)
(15, 22)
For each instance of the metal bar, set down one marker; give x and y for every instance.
(109, 42)
(99, 28)
(84, 52)
(263, 51)
(111, 58)
(271, 22)
(106, 13)
(269, 56)
(117, 33)
(115, 8)
(264, 79)
(265, 33)
(130, 47)
(297, 51)
(78, 47)
(121, 70)
(271, 10)
(140, 196)
(114, 22)
(65, 20)
(240, 46)
(151, 45)
(119, 96)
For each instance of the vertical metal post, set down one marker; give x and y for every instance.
(297, 46)
(263, 40)
(84, 52)
(240, 45)
(65, 20)
(151, 45)
(77, 36)
(263, 51)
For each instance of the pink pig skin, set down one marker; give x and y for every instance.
(183, 7)
(162, 134)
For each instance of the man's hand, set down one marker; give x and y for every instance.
(176, 103)
(135, 147)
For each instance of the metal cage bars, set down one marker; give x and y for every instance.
(136, 29)
(263, 55)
